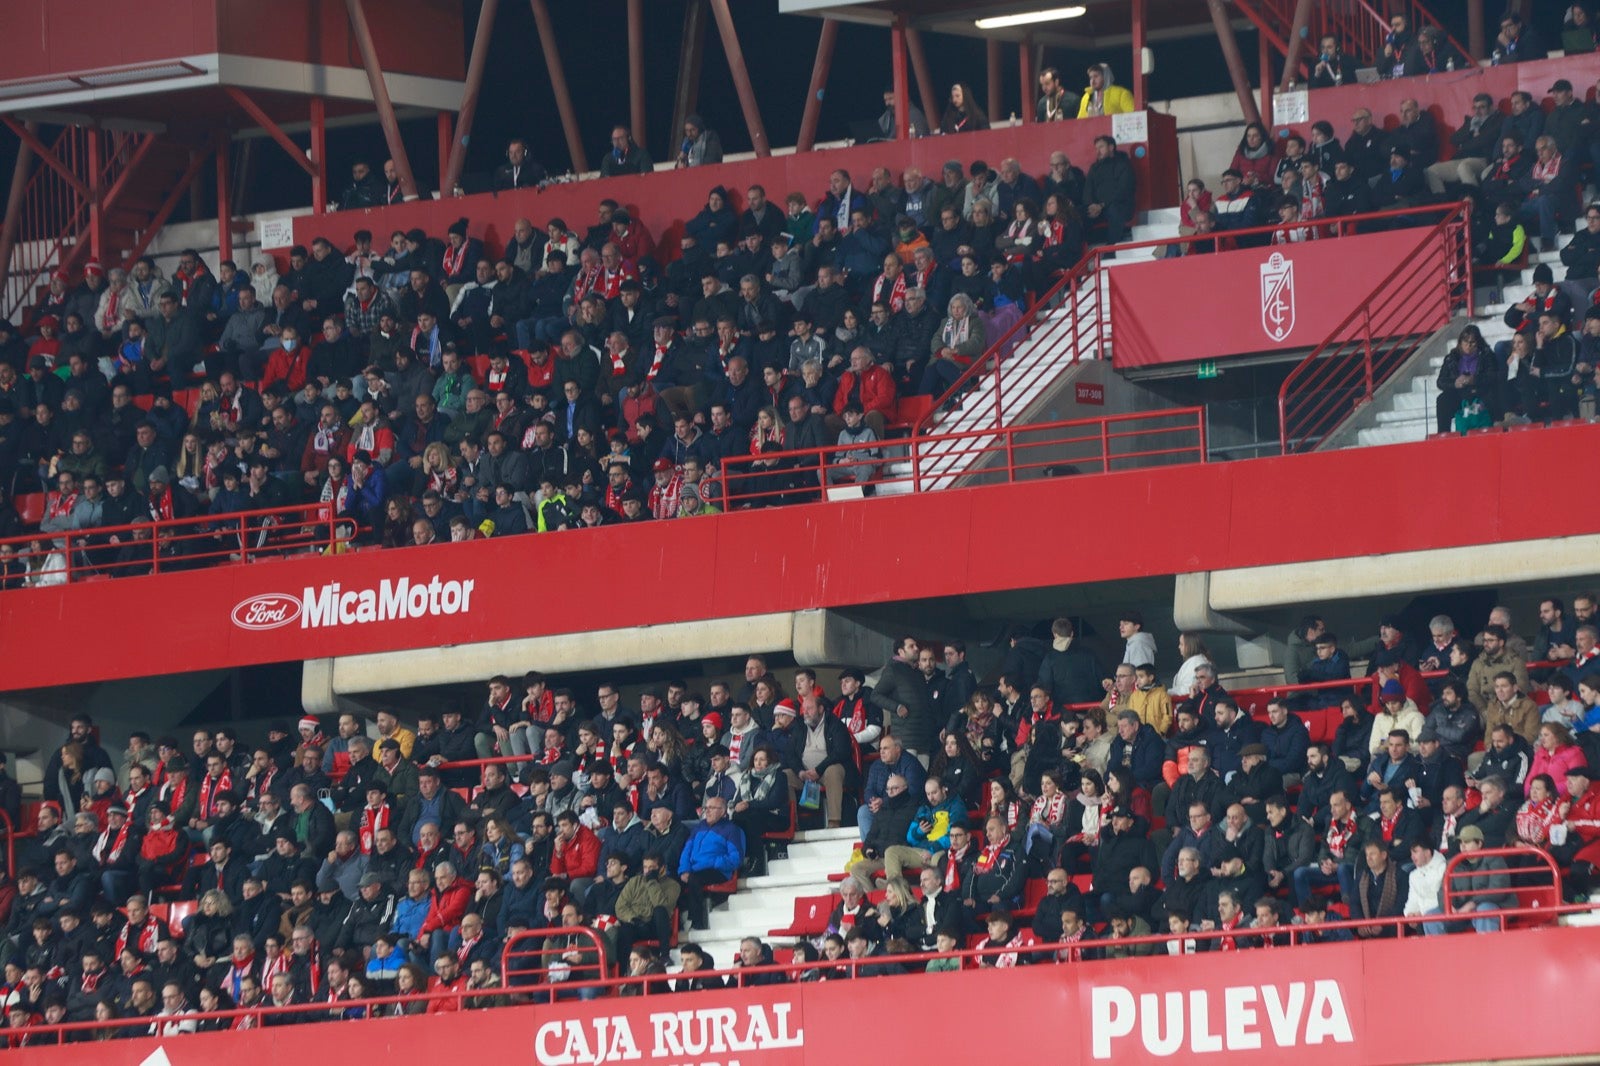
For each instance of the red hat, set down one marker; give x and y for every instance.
(785, 706)
(93, 267)
(49, 320)
(714, 718)
(311, 721)
(63, 275)
(662, 464)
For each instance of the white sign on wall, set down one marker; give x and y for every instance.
(275, 231)
(1131, 128)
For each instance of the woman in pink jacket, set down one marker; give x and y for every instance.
(1555, 754)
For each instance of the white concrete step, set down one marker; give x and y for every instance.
(1408, 433)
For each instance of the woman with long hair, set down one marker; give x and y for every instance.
(1255, 159)
(1086, 816)
(1195, 655)
(957, 766)
(501, 846)
(962, 114)
(411, 982)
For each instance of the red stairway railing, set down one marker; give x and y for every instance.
(54, 218)
(1385, 329)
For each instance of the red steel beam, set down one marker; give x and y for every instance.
(319, 153)
(1235, 60)
(636, 111)
(902, 84)
(819, 81)
(264, 120)
(224, 197)
(1298, 28)
(14, 199)
(1025, 67)
(46, 156)
(1136, 72)
(925, 88)
(558, 85)
(179, 189)
(450, 175)
(1264, 58)
(97, 193)
(992, 57)
(741, 77)
(380, 97)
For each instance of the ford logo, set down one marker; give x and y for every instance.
(268, 611)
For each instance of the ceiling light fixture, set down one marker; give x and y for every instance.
(1000, 22)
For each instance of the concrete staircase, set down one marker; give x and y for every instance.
(766, 903)
(1406, 413)
(1043, 357)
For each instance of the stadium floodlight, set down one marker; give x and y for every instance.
(1026, 18)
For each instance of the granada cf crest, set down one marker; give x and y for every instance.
(1277, 297)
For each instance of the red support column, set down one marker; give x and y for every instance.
(454, 158)
(993, 103)
(636, 109)
(14, 204)
(1264, 51)
(925, 87)
(319, 156)
(446, 133)
(902, 84)
(741, 77)
(97, 193)
(1234, 59)
(819, 81)
(1025, 65)
(1136, 72)
(558, 85)
(1299, 27)
(224, 197)
(380, 97)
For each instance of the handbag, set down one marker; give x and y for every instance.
(811, 795)
(1472, 415)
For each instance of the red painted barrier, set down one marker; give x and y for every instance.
(1325, 1004)
(1448, 96)
(664, 200)
(1256, 512)
(1278, 298)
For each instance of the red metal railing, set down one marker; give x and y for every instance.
(1379, 335)
(54, 218)
(511, 993)
(983, 456)
(172, 544)
(1072, 321)
(1359, 28)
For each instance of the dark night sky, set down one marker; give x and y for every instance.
(779, 50)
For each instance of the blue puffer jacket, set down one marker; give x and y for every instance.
(718, 847)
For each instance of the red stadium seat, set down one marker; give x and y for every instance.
(30, 507)
(810, 917)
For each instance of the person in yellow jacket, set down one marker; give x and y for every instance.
(1150, 700)
(1102, 97)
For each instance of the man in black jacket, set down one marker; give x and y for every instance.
(889, 828)
(826, 757)
(1474, 143)
(370, 914)
(518, 171)
(1070, 672)
(903, 692)
(1108, 190)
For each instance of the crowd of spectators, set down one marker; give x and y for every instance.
(433, 390)
(325, 868)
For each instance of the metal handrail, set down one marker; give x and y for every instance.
(233, 537)
(1387, 300)
(1086, 327)
(979, 442)
(1035, 951)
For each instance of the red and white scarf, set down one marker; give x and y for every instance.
(1340, 834)
(371, 822)
(108, 850)
(453, 260)
(210, 786)
(952, 868)
(991, 854)
(896, 297)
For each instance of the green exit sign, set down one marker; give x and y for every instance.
(1207, 370)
